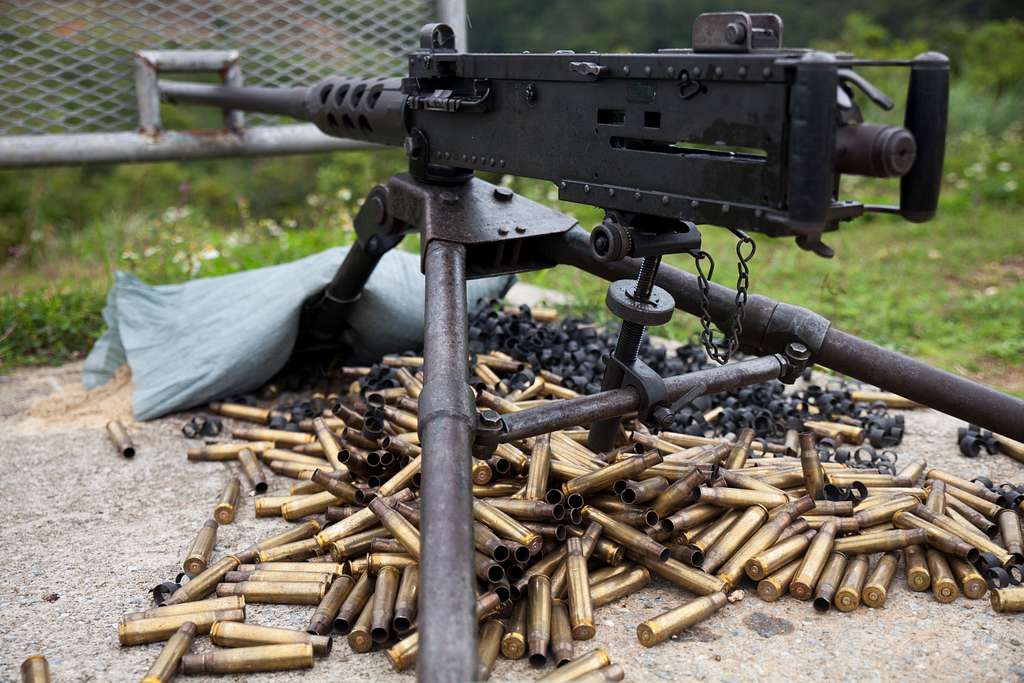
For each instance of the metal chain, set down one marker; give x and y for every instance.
(721, 353)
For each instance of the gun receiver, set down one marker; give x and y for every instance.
(738, 131)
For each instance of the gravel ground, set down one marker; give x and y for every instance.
(116, 527)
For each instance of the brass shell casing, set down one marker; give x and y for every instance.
(249, 659)
(385, 590)
(322, 621)
(166, 664)
(267, 575)
(405, 600)
(740, 451)
(944, 587)
(884, 511)
(584, 664)
(204, 582)
(252, 470)
(693, 580)
(810, 466)
(353, 604)
(1007, 600)
(401, 528)
(561, 633)
(119, 437)
(211, 605)
(678, 494)
(802, 586)
(513, 643)
(876, 588)
(238, 634)
(723, 496)
(919, 578)
(539, 467)
(488, 646)
(1010, 530)
(972, 584)
(603, 478)
(155, 629)
(732, 570)
(227, 504)
(506, 527)
(848, 596)
(881, 541)
(619, 586)
(225, 451)
(664, 626)
(636, 541)
(199, 554)
(277, 592)
(538, 619)
(360, 637)
(775, 585)
(828, 582)
(581, 610)
(778, 556)
(35, 669)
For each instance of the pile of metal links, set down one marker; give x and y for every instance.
(778, 489)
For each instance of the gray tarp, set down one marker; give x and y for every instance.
(190, 343)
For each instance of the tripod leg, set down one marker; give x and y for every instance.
(447, 425)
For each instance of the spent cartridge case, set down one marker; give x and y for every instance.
(385, 590)
(880, 541)
(581, 610)
(297, 550)
(775, 585)
(729, 497)
(833, 508)
(204, 582)
(249, 659)
(401, 528)
(944, 587)
(506, 527)
(360, 636)
(1010, 530)
(915, 562)
(155, 629)
(538, 619)
(1007, 600)
(810, 466)
(731, 572)
(313, 504)
(884, 511)
(971, 583)
(664, 626)
(211, 605)
(265, 575)
(327, 442)
(276, 592)
(710, 533)
(847, 597)
(912, 472)
(746, 524)
(227, 504)
(674, 571)
(740, 451)
(357, 544)
(692, 516)
(937, 536)
(828, 582)
(237, 634)
(241, 411)
(488, 646)
(606, 476)
(776, 557)
(612, 673)
(844, 525)
(35, 669)
(199, 554)
(528, 510)
(985, 507)
(225, 451)
(678, 494)
(402, 654)
(971, 517)
(119, 437)
(252, 471)
(584, 664)
(322, 621)
(270, 506)
(325, 568)
(405, 600)
(513, 643)
(612, 587)
(561, 633)
(936, 500)
(588, 541)
(353, 604)
(341, 489)
(278, 436)
(876, 588)
(540, 465)
(635, 541)
(960, 484)
(166, 664)
(637, 492)
(813, 563)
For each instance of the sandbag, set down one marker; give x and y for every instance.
(211, 337)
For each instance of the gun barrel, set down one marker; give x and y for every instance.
(277, 101)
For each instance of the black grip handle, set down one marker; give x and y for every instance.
(927, 111)
(811, 179)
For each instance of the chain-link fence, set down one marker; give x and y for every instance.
(67, 65)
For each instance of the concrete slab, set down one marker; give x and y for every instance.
(86, 533)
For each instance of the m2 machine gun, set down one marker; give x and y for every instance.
(738, 132)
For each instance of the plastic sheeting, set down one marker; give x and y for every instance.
(190, 343)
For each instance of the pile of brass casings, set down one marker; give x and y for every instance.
(559, 532)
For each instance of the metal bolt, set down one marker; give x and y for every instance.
(490, 418)
(625, 69)
(449, 198)
(503, 194)
(742, 71)
(735, 33)
(611, 191)
(586, 189)
(664, 200)
(766, 72)
(637, 196)
(647, 70)
(671, 71)
(719, 72)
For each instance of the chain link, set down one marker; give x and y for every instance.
(722, 352)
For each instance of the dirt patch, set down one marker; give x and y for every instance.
(766, 626)
(71, 406)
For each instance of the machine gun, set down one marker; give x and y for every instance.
(737, 132)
